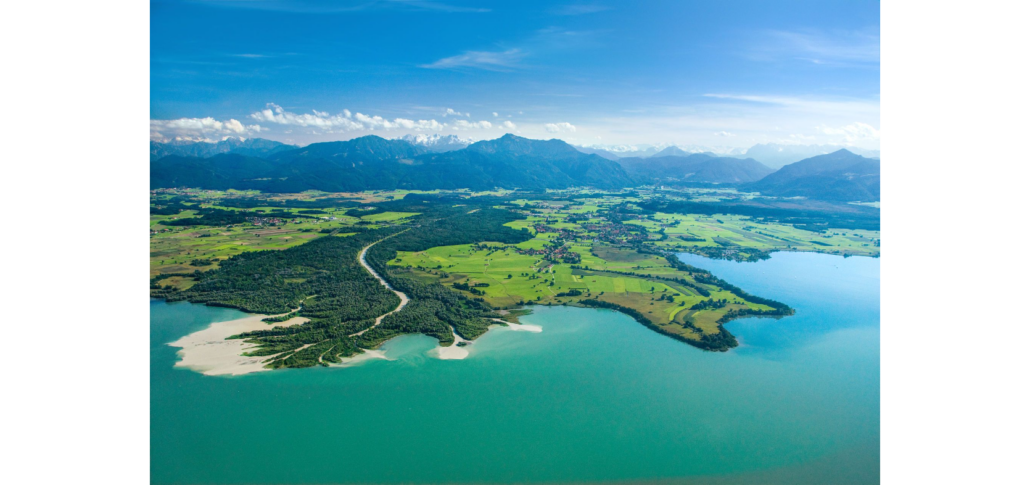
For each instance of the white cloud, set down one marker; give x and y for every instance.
(811, 105)
(495, 114)
(199, 129)
(723, 133)
(489, 61)
(451, 112)
(507, 125)
(560, 128)
(752, 118)
(462, 125)
(854, 132)
(345, 121)
(859, 48)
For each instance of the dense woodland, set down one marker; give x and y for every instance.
(323, 281)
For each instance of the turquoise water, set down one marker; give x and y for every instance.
(595, 397)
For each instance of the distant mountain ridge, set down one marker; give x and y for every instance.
(840, 176)
(694, 168)
(362, 149)
(438, 143)
(251, 147)
(777, 155)
(661, 150)
(772, 155)
(371, 162)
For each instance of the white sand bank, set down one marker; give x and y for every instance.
(517, 327)
(365, 356)
(451, 352)
(207, 351)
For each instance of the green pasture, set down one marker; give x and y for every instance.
(388, 216)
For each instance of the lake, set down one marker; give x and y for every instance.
(594, 397)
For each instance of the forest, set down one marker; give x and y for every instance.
(323, 281)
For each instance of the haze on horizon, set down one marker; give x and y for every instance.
(589, 73)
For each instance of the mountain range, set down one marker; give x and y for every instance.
(251, 147)
(371, 162)
(693, 168)
(438, 143)
(839, 176)
(770, 154)
(777, 155)
(374, 163)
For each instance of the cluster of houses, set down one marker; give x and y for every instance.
(270, 221)
(616, 233)
(553, 253)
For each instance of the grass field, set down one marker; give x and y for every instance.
(745, 232)
(533, 279)
(173, 249)
(388, 216)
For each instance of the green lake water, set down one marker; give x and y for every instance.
(594, 397)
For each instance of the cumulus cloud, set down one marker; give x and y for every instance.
(495, 114)
(507, 125)
(854, 132)
(451, 112)
(462, 125)
(274, 113)
(560, 128)
(199, 129)
(345, 120)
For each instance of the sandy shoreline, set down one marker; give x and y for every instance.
(453, 351)
(364, 356)
(207, 351)
(525, 327)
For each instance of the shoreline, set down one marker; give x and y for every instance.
(454, 352)
(208, 352)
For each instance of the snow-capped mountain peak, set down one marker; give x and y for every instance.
(438, 143)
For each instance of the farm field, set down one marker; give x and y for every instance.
(388, 216)
(184, 249)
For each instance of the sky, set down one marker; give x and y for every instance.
(728, 74)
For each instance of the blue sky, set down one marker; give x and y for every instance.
(717, 74)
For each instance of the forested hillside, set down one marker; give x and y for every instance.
(696, 168)
(838, 176)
